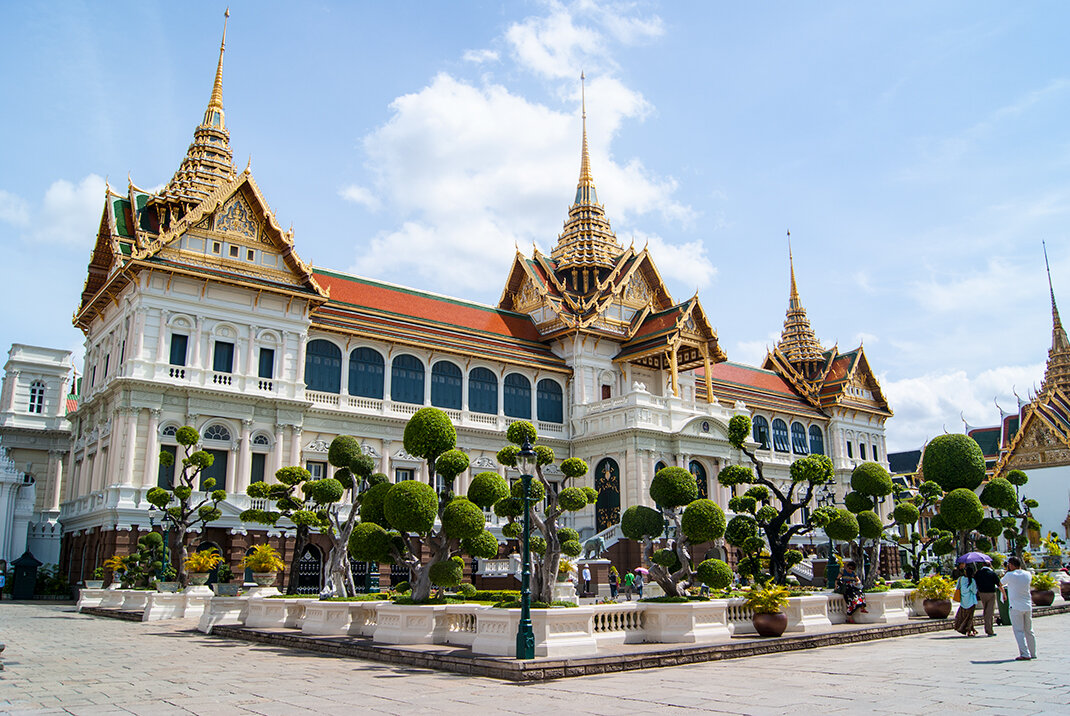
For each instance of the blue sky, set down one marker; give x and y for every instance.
(918, 152)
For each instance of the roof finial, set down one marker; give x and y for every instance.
(213, 116)
(585, 192)
(791, 263)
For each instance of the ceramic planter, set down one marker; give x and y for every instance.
(937, 608)
(167, 587)
(94, 584)
(1042, 597)
(770, 624)
(226, 589)
(264, 579)
(198, 579)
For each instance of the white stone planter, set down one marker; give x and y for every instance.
(202, 589)
(326, 618)
(267, 613)
(461, 623)
(565, 592)
(163, 605)
(889, 607)
(617, 623)
(808, 613)
(89, 598)
(223, 610)
(363, 617)
(134, 600)
(196, 603)
(410, 624)
(686, 623)
(560, 632)
(113, 598)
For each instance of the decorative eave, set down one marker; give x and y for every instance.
(839, 398)
(1037, 410)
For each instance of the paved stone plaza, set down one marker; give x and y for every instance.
(60, 662)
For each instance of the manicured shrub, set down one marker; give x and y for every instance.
(639, 521)
(743, 503)
(467, 590)
(954, 461)
(487, 488)
(1017, 478)
(1000, 494)
(765, 514)
(857, 502)
(667, 558)
(538, 490)
(739, 529)
(759, 492)
(714, 573)
(906, 513)
(961, 509)
(738, 430)
(869, 524)
(371, 506)
(871, 479)
(538, 544)
(411, 506)
(566, 534)
(571, 548)
(403, 586)
(673, 487)
(520, 431)
(370, 543)
(448, 573)
(591, 493)
(429, 433)
(842, 527)
(483, 545)
(703, 521)
(343, 450)
(735, 475)
(990, 527)
(462, 519)
(512, 530)
(572, 499)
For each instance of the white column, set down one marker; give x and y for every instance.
(152, 450)
(299, 369)
(295, 445)
(250, 354)
(69, 484)
(344, 385)
(97, 481)
(242, 479)
(56, 465)
(464, 389)
(161, 346)
(427, 383)
(388, 470)
(195, 360)
(388, 378)
(501, 394)
(130, 446)
(278, 449)
(535, 401)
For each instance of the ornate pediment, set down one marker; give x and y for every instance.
(236, 218)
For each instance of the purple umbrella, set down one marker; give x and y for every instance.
(973, 558)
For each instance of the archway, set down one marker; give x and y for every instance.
(607, 482)
(310, 571)
(213, 576)
(696, 469)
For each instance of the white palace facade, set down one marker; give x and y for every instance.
(197, 309)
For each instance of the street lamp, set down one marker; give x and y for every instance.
(827, 498)
(163, 527)
(525, 634)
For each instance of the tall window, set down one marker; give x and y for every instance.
(323, 367)
(760, 431)
(267, 363)
(402, 474)
(780, 436)
(517, 396)
(549, 401)
(482, 391)
(446, 385)
(258, 465)
(407, 380)
(179, 343)
(817, 441)
(862, 450)
(366, 373)
(37, 397)
(218, 469)
(875, 453)
(317, 468)
(696, 469)
(223, 357)
(166, 476)
(798, 438)
(850, 450)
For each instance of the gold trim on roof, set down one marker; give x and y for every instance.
(798, 342)
(1057, 370)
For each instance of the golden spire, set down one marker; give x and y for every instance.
(213, 116)
(209, 161)
(1057, 372)
(587, 241)
(798, 342)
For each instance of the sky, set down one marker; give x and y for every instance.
(918, 153)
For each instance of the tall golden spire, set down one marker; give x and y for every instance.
(1057, 372)
(798, 342)
(209, 161)
(587, 241)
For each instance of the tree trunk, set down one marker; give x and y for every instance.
(440, 552)
(183, 551)
(340, 578)
(300, 542)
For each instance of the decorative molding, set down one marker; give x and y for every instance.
(484, 461)
(369, 450)
(318, 446)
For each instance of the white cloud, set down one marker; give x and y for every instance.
(684, 264)
(480, 56)
(929, 405)
(359, 195)
(1001, 282)
(753, 352)
(13, 209)
(63, 214)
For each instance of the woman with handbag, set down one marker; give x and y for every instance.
(966, 591)
(850, 586)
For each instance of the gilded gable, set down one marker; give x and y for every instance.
(237, 218)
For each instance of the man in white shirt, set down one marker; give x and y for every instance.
(1015, 588)
(586, 579)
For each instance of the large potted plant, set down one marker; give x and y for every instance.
(168, 580)
(265, 562)
(97, 582)
(935, 592)
(224, 585)
(200, 564)
(767, 601)
(1042, 589)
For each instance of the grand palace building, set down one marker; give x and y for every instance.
(198, 310)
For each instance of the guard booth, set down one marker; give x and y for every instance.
(25, 580)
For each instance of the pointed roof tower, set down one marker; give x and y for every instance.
(1057, 372)
(587, 241)
(798, 342)
(209, 161)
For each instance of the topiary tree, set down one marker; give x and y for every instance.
(179, 505)
(398, 522)
(692, 520)
(954, 461)
(1003, 494)
(774, 516)
(547, 506)
(962, 512)
(908, 513)
(145, 563)
(869, 483)
(292, 495)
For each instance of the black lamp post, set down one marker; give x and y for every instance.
(525, 634)
(827, 498)
(163, 527)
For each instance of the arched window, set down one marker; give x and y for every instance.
(482, 391)
(216, 432)
(366, 373)
(549, 402)
(407, 380)
(798, 438)
(607, 482)
(323, 367)
(37, 397)
(761, 431)
(696, 469)
(446, 385)
(659, 466)
(780, 436)
(817, 441)
(517, 396)
(258, 457)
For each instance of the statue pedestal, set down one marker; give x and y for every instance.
(599, 577)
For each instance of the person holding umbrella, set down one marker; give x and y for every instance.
(638, 583)
(967, 603)
(987, 582)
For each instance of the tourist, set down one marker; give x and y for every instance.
(967, 587)
(629, 584)
(987, 584)
(614, 581)
(639, 584)
(850, 586)
(586, 579)
(1015, 588)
